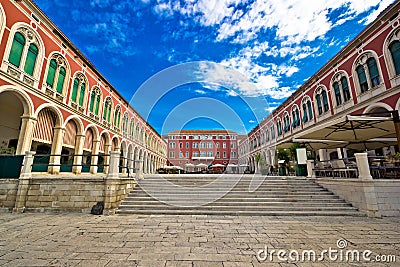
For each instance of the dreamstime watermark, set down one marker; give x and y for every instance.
(214, 77)
(339, 254)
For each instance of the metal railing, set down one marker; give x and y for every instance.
(382, 167)
(41, 162)
(336, 168)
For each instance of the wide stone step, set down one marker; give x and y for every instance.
(333, 199)
(244, 203)
(242, 213)
(274, 196)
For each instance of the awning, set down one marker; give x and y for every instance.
(351, 128)
(217, 166)
(202, 158)
(372, 144)
(190, 165)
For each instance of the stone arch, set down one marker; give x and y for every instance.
(104, 150)
(393, 36)
(115, 144)
(374, 106)
(3, 20)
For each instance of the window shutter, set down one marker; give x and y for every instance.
(61, 78)
(31, 57)
(372, 68)
(91, 105)
(82, 94)
(105, 110)
(75, 90)
(325, 99)
(345, 88)
(51, 73)
(310, 113)
(395, 51)
(97, 104)
(16, 49)
(109, 113)
(362, 78)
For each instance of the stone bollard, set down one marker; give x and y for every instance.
(310, 169)
(24, 181)
(363, 166)
(368, 186)
(111, 184)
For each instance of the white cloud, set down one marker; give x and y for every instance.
(201, 92)
(295, 21)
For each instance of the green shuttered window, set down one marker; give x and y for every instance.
(16, 49)
(31, 57)
(75, 90)
(395, 52)
(51, 73)
(61, 79)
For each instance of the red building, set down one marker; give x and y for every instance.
(196, 150)
(54, 101)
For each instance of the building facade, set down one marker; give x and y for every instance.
(55, 102)
(363, 78)
(193, 150)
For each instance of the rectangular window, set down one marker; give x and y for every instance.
(180, 145)
(218, 156)
(180, 155)
(172, 154)
(223, 145)
(224, 155)
(187, 154)
(187, 144)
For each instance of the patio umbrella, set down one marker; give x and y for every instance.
(201, 165)
(351, 128)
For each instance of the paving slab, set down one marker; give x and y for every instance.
(73, 239)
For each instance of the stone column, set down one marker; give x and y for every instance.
(107, 151)
(367, 184)
(310, 169)
(25, 134)
(56, 149)
(131, 162)
(24, 182)
(95, 159)
(111, 184)
(80, 140)
(139, 173)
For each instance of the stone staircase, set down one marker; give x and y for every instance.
(233, 195)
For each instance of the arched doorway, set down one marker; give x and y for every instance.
(11, 111)
(87, 150)
(46, 141)
(104, 148)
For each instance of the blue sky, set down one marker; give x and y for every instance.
(209, 64)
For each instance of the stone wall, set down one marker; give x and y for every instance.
(71, 194)
(347, 189)
(387, 193)
(388, 196)
(8, 194)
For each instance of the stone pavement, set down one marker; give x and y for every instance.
(139, 240)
